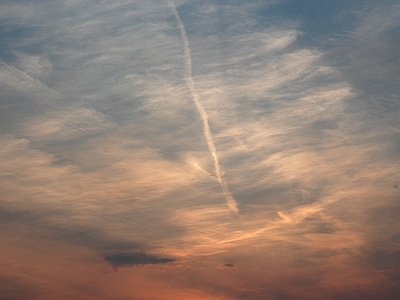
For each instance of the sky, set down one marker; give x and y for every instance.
(199, 149)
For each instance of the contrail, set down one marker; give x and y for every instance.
(230, 201)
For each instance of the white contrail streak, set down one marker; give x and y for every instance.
(231, 202)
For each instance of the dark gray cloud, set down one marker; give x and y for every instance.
(137, 258)
(228, 265)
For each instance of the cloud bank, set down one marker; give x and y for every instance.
(108, 120)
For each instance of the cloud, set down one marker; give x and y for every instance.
(369, 51)
(71, 123)
(13, 287)
(231, 202)
(57, 224)
(102, 148)
(138, 258)
(228, 265)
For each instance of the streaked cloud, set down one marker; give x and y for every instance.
(105, 162)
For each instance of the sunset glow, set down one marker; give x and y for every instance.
(199, 150)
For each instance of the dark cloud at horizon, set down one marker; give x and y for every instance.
(228, 265)
(138, 258)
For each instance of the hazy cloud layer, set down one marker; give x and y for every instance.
(104, 156)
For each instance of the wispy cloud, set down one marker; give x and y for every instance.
(231, 202)
(114, 145)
